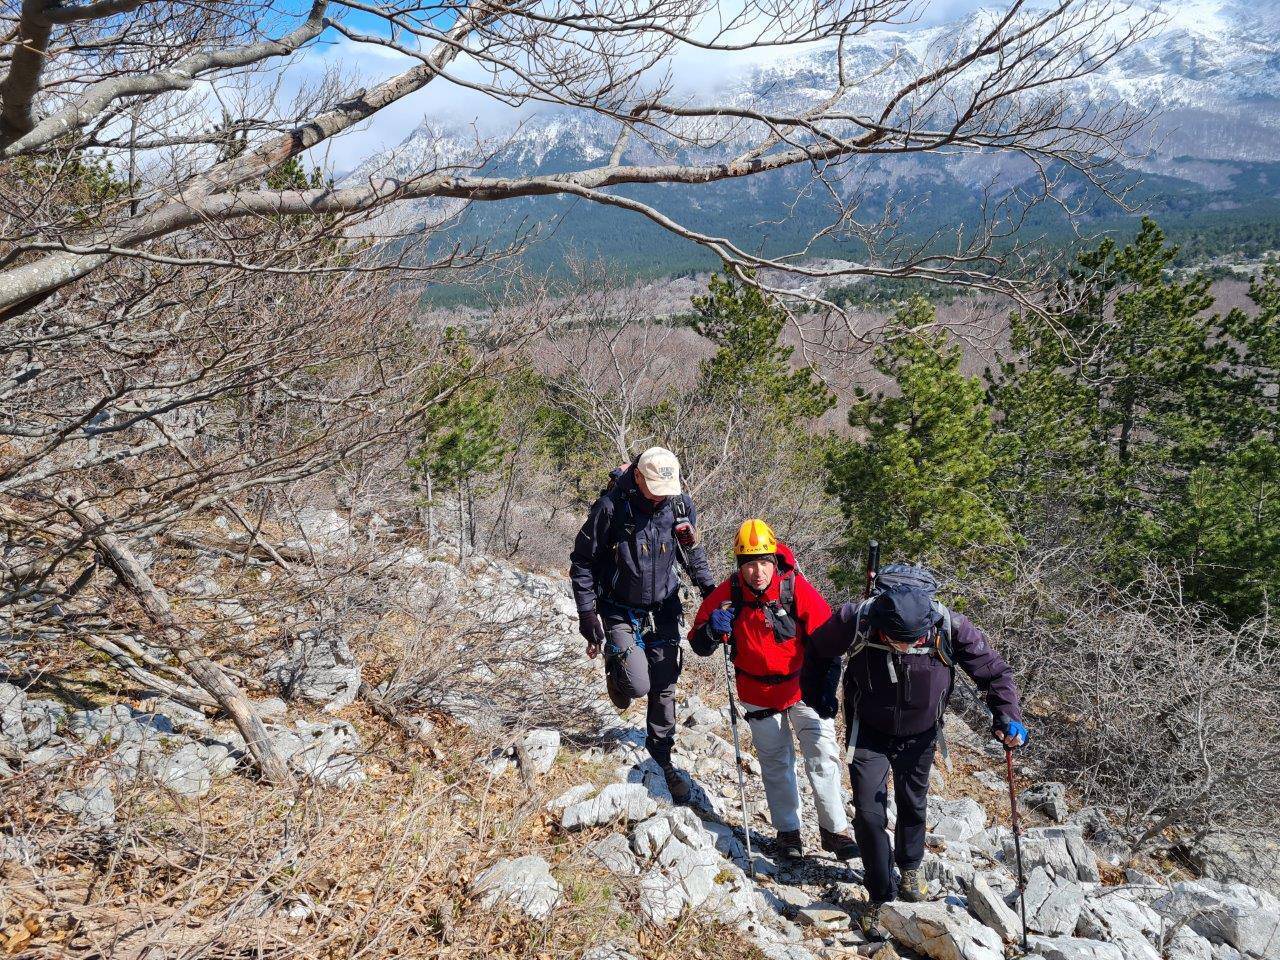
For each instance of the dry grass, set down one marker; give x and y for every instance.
(383, 871)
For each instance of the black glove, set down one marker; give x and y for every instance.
(820, 684)
(590, 627)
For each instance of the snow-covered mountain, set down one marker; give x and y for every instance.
(1209, 70)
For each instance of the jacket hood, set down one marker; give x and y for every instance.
(786, 559)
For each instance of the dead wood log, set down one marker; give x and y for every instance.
(204, 671)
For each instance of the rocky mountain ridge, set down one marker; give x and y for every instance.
(1206, 63)
(666, 864)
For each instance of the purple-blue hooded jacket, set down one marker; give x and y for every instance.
(915, 702)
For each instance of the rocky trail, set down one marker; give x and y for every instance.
(588, 819)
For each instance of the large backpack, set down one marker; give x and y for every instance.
(896, 574)
(900, 574)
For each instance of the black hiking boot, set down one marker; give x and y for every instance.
(676, 783)
(869, 923)
(613, 687)
(790, 845)
(841, 844)
(913, 887)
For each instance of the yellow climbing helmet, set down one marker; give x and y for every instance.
(755, 539)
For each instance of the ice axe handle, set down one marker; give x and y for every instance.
(873, 565)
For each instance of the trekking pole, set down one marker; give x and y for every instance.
(873, 567)
(1017, 844)
(737, 753)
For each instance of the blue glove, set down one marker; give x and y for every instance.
(722, 621)
(1012, 728)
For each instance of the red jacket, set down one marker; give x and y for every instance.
(757, 650)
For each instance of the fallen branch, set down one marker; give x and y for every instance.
(204, 671)
(123, 661)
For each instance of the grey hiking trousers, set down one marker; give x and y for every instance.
(649, 672)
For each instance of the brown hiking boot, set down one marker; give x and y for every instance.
(913, 887)
(869, 923)
(790, 844)
(676, 783)
(841, 844)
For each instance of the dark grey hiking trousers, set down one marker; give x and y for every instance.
(910, 758)
(650, 672)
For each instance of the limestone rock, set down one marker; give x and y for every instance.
(661, 897)
(618, 801)
(614, 853)
(325, 753)
(1186, 944)
(1053, 903)
(93, 806)
(1114, 916)
(1049, 799)
(541, 747)
(1060, 850)
(824, 916)
(318, 666)
(27, 725)
(183, 772)
(955, 819)
(941, 931)
(650, 836)
(1074, 948)
(1233, 914)
(570, 797)
(989, 907)
(608, 951)
(696, 869)
(524, 883)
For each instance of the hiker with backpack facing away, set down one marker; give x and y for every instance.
(766, 612)
(626, 586)
(903, 647)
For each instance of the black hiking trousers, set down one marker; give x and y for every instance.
(910, 758)
(650, 672)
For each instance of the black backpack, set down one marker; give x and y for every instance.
(905, 574)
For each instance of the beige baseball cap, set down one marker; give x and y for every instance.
(661, 471)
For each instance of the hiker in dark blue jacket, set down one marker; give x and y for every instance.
(626, 586)
(903, 648)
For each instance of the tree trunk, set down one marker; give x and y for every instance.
(204, 671)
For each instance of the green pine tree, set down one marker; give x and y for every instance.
(751, 368)
(919, 479)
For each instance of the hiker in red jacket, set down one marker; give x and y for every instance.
(766, 613)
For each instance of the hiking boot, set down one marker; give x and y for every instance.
(841, 844)
(789, 844)
(677, 784)
(613, 687)
(869, 923)
(913, 887)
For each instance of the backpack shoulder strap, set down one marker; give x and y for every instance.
(861, 627)
(681, 506)
(787, 594)
(944, 647)
(622, 525)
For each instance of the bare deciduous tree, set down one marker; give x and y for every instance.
(120, 78)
